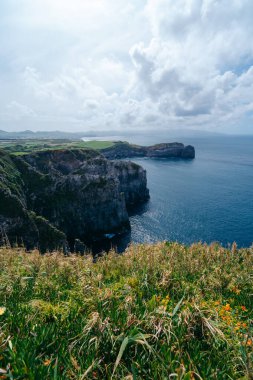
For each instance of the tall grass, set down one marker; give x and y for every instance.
(163, 311)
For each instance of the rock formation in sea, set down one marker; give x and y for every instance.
(166, 150)
(51, 199)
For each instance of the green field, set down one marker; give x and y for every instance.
(163, 311)
(20, 147)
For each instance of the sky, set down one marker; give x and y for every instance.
(78, 65)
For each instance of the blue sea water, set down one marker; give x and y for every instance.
(206, 199)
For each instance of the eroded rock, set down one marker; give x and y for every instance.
(68, 195)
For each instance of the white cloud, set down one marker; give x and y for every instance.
(15, 111)
(122, 64)
(192, 65)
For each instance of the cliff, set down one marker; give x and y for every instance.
(49, 199)
(167, 150)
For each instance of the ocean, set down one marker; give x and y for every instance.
(206, 199)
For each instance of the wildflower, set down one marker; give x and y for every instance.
(227, 319)
(217, 303)
(47, 362)
(2, 310)
(227, 307)
(244, 308)
(165, 301)
(249, 342)
(238, 326)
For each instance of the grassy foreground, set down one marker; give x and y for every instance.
(163, 311)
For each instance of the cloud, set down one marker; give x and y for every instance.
(133, 64)
(15, 111)
(194, 65)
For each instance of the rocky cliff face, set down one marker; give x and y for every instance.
(169, 150)
(132, 182)
(18, 224)
(68, 195)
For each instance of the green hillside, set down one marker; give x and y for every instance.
(26, 146)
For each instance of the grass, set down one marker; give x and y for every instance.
(21, 147)
(163, 311)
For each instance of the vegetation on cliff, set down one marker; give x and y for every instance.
(17, 223)
(23, 146)
(163, 311)
(50, 198)
(110, 149)
(122, 149)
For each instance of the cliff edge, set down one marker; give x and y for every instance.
(49, 199)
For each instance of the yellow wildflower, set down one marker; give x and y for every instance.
(47, 362)
(2, 310)
(227, 307)
(238, 326)
(165, 301)
(227, 319)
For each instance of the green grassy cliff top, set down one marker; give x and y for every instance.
(21, 147)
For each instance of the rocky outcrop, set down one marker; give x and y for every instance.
(167, 150)
(188, 152)
(53, 198)
(132, 182)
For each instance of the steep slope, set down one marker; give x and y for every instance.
(74, 193)
(18, 224)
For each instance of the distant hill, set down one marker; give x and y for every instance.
(108, 135)
(40, 135)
